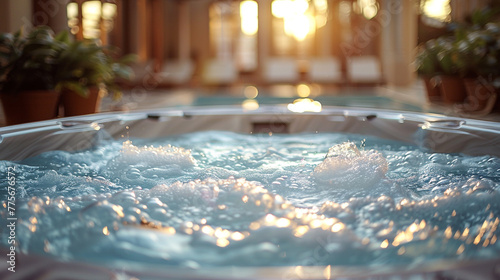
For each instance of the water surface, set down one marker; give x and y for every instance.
(213, 199)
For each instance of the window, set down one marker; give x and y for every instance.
(359, 27)
(295, 23)
(247, 45)
(221, 29)
(367, 8)
(91, 19)
(233, 32)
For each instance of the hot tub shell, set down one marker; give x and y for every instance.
(435, 133)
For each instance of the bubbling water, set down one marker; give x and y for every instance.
(158, 156)
(345, 166)
(224, 199)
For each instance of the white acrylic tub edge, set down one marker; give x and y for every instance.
(434, 132)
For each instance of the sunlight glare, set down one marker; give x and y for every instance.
(72, 10)
(438, 9)
(297, 22)
(249, 17)
(108, 11)
(281, 8)
(298, 26)
(92, 9)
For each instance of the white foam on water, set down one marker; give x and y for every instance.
(147, 166)
(347, 167)
(156, 156)
(241, 200)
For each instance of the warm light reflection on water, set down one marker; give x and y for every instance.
(250, 105)
(302, 105)
(234, 215)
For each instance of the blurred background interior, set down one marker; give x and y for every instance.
(248, 53)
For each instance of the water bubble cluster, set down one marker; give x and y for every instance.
(159, 156)
(345, 166)
(238, 200)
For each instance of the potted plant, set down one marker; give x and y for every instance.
(27, 84)
(480, 57)
(450, 81)
(464, 62)
(87, 72)
(428, 67)
(437, 62)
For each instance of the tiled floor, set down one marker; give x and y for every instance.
(406, 99)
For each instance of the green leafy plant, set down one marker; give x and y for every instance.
(479, 51)
(427, 61)
(482, 17)
(472, 50)
(448, 58)
(437, 57)
(86, 64)
(28, 61)
(40, 60)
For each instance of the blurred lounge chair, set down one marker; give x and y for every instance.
(281, 70)
(364, 70)
(325, 70)
(176, 72)
(219, 72)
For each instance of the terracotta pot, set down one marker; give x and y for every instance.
(75, 104)
(452, 89)
(30, 106)
(481, 95)
(432, 89)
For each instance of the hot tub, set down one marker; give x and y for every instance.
(430, 133)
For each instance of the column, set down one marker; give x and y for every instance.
(142, 32)
(117, 35)
(159, 37)
(184, 31)
(4, 16)
(224, 50)
(200, 30)
(264, 40)
(398, 21)
(79, 34)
